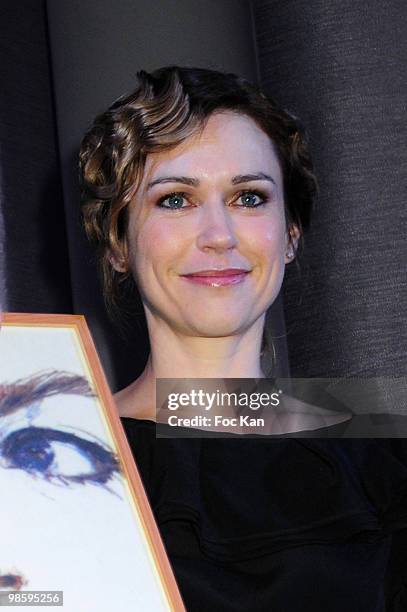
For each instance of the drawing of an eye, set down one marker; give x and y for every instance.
(58, 455)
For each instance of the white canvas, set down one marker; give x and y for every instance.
(83, 537)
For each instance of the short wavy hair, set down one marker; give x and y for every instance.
(168, 106)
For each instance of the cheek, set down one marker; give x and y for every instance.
(266, 238)
(158, 245)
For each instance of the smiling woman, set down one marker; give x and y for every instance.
(225, 227)
(197, 189)
(180, 139)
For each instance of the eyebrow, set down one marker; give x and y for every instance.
(25, 391)
(194, 182)
(246, 178)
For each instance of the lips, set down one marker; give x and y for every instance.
(224, 272)
(217, 278)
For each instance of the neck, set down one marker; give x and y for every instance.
(174, 355)
(202, 357)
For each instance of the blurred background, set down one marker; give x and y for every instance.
(341, 66)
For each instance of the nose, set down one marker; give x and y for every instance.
(216, 230)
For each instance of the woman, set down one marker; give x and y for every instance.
(198, 187)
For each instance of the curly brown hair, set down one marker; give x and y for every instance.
(168, 106)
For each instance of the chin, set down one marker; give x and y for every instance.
(217, 327)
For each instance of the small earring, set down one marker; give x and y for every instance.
(290, 253)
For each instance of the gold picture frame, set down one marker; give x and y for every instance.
(69, 469)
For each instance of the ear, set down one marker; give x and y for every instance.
(118, 259)
(292, 238)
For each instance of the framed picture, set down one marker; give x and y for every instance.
(74, 514)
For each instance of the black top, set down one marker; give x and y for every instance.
(280, 523)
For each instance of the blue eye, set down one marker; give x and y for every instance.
(175, 201)
(53, 454)
(252, 199)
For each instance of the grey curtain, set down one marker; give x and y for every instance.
(342, 67)
(339, 65)
(33, 252)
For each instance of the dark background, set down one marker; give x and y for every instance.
(340, 65)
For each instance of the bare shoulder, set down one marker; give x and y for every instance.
(310, 416)
(131, 402)
(123, 403)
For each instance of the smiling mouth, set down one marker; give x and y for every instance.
(217, 278)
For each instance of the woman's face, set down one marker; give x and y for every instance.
(207, 232)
